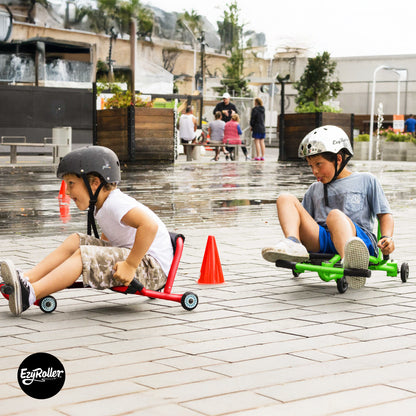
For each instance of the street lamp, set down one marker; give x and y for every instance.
(399, 72)
(194, 43)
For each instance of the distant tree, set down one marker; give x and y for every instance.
(229, 28)
(230, 31)
(191, 21)
(115, 16)
(317, 84)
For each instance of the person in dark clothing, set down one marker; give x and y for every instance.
(227, 110)
(257, 128)
(225, 107)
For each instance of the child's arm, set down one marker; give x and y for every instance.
(124, 271)
(386, 242)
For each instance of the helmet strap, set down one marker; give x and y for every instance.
(345, 160)
(91, 226)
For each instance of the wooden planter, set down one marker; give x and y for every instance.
(137, 134)
(294, 127)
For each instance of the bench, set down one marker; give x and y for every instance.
(213, 145)
(20, 141)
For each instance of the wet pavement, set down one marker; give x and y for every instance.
(262, 343)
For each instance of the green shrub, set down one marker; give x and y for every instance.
(310, 107)
(362, 138)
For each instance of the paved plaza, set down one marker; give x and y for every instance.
(262, 343)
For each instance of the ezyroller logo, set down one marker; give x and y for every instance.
(41, 375)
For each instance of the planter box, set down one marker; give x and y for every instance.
(294, 127)
(137, 134)
(392, 151)
(361, 151)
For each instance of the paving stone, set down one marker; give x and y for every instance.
(262, 343)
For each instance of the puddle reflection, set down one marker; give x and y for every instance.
(184, 195)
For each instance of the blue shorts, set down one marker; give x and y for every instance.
(259, 135)
(327, 246)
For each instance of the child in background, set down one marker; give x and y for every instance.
(232, 133)
(216, 135)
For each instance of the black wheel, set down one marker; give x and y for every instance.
(6, 289)
(404, 272)
(295, 274)
(48, 304)
(342, 285)
(189, 301)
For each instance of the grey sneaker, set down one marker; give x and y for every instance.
(19, 298)
(356, 256)
(285, 250)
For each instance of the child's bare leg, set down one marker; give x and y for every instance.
(258, 148)
(61, 277)
(296, 222)
(262, 147)
(341, 229)
(54, 259)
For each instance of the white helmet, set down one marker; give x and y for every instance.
(325, 139)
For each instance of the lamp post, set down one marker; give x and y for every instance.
(399, 72)
(273, 79)
(194, 43)
(282, 81)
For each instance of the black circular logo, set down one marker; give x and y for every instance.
(41, 375)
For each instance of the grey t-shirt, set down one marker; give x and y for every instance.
(359, 196)
(217, 130)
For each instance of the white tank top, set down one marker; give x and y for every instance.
(186, 127)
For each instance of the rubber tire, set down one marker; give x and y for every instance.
(404, 272)
(189, 301)
(6, 289)
(342, 285)
(48, 304)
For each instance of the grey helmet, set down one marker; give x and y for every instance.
(84, 160)
(91, 159)
(325, 139)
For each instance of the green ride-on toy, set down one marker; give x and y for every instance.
(329, 267)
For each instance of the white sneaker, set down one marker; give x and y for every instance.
(356, 256)
(286, 250)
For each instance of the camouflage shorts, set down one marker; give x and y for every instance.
(99, 258)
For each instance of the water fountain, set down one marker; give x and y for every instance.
(44, 62)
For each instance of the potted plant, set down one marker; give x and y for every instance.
(361, 147)
(397, 146)
(133, 129)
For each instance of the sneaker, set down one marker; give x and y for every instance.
(356, 256)
(286, 250)
(19, 298)
(262, 158)
(257, 158)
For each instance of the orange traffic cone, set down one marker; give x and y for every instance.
(211, 270)
(62, 190)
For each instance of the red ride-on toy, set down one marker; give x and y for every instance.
(188, 300)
